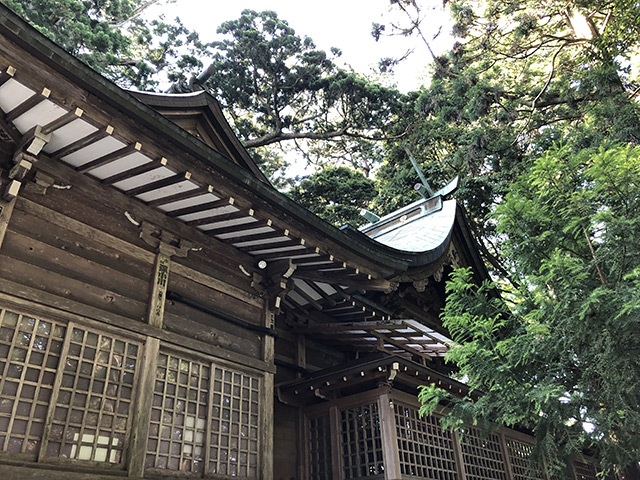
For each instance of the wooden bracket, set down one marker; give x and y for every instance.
(11, 191)
(22, 165)
(34, 140)
(165, 242)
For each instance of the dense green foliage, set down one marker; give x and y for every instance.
(336, 194)
(274, 85)
(112, 37)
(521, 77)
(277, 86)
(561, 354)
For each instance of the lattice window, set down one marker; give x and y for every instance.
(29, 356)
(522, 466)
(585, 470)
(204, 419)
(361, 444)
(425, 450)
(234, 423)
(482, 456)
(320, 448)
(179, 415)
(93, 404)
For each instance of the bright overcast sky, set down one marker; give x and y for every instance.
(345, 24)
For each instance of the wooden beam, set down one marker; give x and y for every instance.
(81, 143)
(221, 217)
(176, 197)
(322, 293)
(11, 191)
(109, 158)
(11, 133)
(28, 104)
(401, 345)
(6, 210)
(288, 242)
(223, 202)
(308, 298)
(140, 169)
(33, 141)
(344, 280)
(7, 74)
(265, 236)
(60, 122)
(165, 182)
(322, 258)
(240, 229)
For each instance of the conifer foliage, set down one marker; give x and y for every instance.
(561, 354)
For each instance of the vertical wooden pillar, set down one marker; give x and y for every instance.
(268, 352)
(159, 289)
(389, 437)
(10, 192)
(336, 443)
(6, 209)
(142, 414)
(505, 455)
(457, 452)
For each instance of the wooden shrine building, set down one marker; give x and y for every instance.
(166, 313)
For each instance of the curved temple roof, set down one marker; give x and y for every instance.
(178, 155)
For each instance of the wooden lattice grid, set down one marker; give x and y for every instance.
(177, 429)
(233, 448)
(320, 448)
(585, 470)
(482, 455)
(520, 457)
(29, 356)
(425, 450)
(361, 442)
(93, 403)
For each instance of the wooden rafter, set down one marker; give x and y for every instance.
(221, 216)
(28, 104)
(139, 170)
(201, 207)
(109, 158)
(196, 192)
(82, 143)
(158, 184)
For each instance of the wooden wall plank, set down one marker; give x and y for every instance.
(73, 241)
(41, 255)
(54, 283)
(194, 324)
(214, 298)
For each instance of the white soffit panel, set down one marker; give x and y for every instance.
(43, 113)
(328, 289)
(68, 134)
(189, 202)
(229, 223)
(180, 187)
(12, 94)
(253, 231)
(121, 165)
(307, 289)
(144, 178)
(265, 242)
(207, 213)
(95, 150)
(297, 298)
(269, 251)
